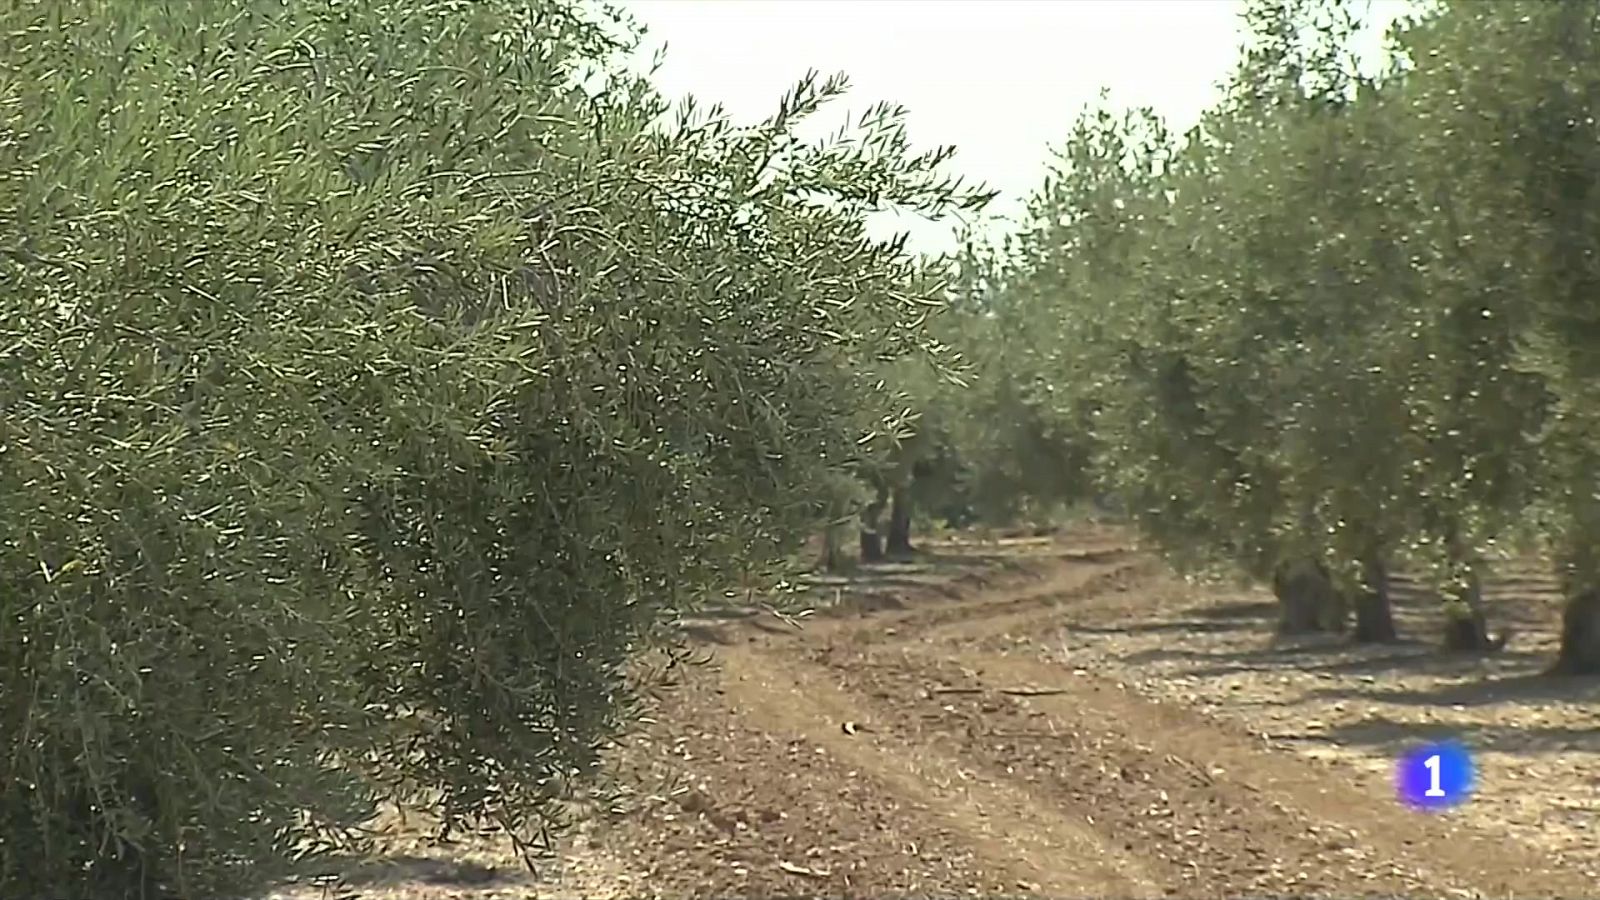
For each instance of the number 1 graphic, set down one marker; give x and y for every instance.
(1435, 776)
(1434, 790)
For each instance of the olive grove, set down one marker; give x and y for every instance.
(382, 378)
(1346, 322)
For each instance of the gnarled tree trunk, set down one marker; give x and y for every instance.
(1466, 628)
(1374, 613)
(871, 527)
(899, 544)
(1579, 653)
(830, 561)
(1308, 602)
(871, 545)
(1580, 635)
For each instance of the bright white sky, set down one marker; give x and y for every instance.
(1000, 79)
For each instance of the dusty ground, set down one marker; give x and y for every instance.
(1062, 717)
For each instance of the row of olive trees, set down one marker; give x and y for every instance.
(1346, 322)
(981, 445)
(378, 377)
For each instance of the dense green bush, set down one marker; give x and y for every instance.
(378, 375)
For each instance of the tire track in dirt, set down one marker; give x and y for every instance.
(948, 737)
(1174, 797)
(1225, 812)
(1184, 827)
(1030, 594)
(1012, 834)
(892, 749)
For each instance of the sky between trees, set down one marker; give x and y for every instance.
(1000, 79)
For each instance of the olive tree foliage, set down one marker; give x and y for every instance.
(376, 387)
(962, 455)
(981, 429)
(1344, 323)
(1444, 344)
(1129, 261)
(1508, 94)
(1393, 371)
(1257, 318)
(1563, 344)
(1285, 313)
(1155, 357)
(1030, 309)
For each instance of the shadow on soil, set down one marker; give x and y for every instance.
(1254, 611)
(1182, 626)
(931, 574)
(1339, 656)
(1415, 612)
(408, 869)
(1392, 737)
(1511, 676)
(1407, 658)
(1527, 688)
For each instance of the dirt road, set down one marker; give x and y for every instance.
(1064, 718)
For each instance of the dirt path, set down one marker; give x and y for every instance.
(1024, 730)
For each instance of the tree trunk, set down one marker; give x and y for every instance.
(1466, 628)
(1308, 603)
(1580, 635)
(871, 546)
(1374, 613)
(900, 523)
(871, 519)
(830, 548)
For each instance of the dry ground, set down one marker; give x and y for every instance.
(1062, 717)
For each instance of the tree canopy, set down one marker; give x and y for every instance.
(380, 378)
(1343, 322)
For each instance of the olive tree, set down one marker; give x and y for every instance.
(380, 377)
(1513, 266)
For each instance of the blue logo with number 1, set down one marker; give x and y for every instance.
(1435, 776)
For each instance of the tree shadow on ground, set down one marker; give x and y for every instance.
(1183, 626)
(1326, 656)
(1261, 611)
(946, 559)
(1331, 654)
(1395, 736)
(1228, 662)
(1424, 658)
(1520, 688)
(404, 869)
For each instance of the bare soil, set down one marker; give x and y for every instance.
(1063, 717)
